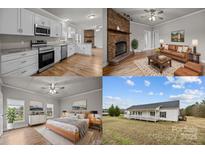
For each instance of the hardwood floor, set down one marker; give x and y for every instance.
(128, 67)
(29, 136)
(23, 136)
(77, 65)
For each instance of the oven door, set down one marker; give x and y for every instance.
(45, 60)
(42, 31)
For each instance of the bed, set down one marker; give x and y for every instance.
(69, 127)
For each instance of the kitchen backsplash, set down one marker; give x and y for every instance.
(11, 42)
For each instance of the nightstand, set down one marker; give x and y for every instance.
(194, 57)
(94, 122)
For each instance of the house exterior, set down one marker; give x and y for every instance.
(166, 111)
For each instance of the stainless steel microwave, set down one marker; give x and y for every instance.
(41, 30)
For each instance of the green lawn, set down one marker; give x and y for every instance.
(117, 130)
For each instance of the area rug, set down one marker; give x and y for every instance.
(149, 70)
(52, 137)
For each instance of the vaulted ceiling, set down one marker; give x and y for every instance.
(169, 14)
(40, 85)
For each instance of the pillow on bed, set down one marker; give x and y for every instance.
(81, 116)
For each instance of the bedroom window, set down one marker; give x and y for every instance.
(152, 113)
(50, 110)
(16, 106)
(163, 114)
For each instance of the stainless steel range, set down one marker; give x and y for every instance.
(45, 54)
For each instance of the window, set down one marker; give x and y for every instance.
(147, 37)
(152, 113)
(163, 114)
(139, 113)
(50, 110)
(18, 105)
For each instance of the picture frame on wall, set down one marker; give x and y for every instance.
(178, 36)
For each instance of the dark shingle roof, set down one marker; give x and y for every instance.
(168, 104)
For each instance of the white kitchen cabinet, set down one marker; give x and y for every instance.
(37, 119)
(71, 50)
(15, 21)
(9, 21)
(41, 20)
(27, 22)
(84, 48)
(57, 54)
(20, 63)
(55, 29)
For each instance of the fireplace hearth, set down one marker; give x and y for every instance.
(121, 48)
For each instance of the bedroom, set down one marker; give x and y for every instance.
(50, 110)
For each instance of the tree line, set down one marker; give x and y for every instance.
(114, 111)
(196, 110)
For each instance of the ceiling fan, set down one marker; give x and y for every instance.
(153, 14)
(52, 88)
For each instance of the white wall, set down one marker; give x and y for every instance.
(27, 97)
(104, 37)
(99, 38)
(94, 101)
(194, 26)
(171, 114)
(1, 111)
(137, 32)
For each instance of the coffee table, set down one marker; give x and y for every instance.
(160, 63)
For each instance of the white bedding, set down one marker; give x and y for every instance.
(66, 126)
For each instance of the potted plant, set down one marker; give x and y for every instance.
(134, 45)
(11, 116)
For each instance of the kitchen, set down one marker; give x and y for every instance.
(46, 42)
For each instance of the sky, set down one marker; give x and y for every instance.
(127, 90)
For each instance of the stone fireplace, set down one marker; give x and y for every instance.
(118, 37)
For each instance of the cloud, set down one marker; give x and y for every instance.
(147, 83)
(189, 96)
(151, 93)
(179, 82)
(109, 100)
(136, 91)
(130, 82)
(161, 93)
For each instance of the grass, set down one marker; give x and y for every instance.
(117, 130)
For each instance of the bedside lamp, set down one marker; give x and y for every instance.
(195, 44)
(161, 42)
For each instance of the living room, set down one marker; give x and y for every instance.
(155, 42)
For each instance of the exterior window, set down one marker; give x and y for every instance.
(50, 110)
(139, 113)
(163, 114)
(18, 106)
(152, 113)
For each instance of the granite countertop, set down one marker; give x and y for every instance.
(15, 50)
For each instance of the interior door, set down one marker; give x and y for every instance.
(1, 112)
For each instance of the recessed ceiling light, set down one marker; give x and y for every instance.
(91, 16)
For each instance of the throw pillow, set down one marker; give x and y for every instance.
(166, 47)
(185, 49)
(179, 49)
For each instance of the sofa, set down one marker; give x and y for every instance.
(177, 52)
